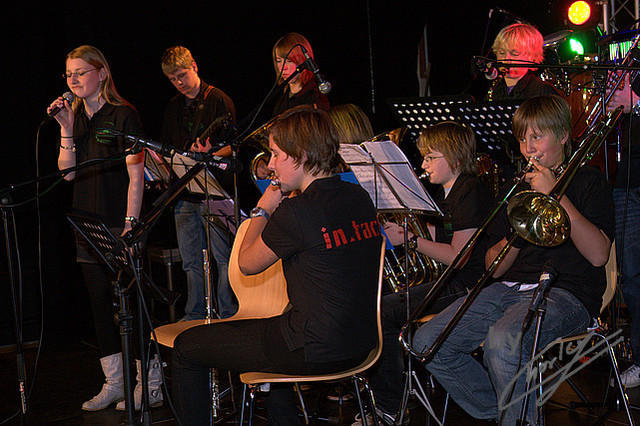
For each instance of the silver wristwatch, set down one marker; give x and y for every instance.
(259, 211)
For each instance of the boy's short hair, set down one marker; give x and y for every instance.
(456, 142)
(176, 58)
(544, 113)
(307, 130)
(523, 37)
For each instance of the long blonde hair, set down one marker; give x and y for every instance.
(93, 56)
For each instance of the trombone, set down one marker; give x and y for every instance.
(536, 217)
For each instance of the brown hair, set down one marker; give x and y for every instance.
(93, 56)
(352, 124)
(289, 44)
(544, 113)
(456, 142)
(176, 58)
(305, 130)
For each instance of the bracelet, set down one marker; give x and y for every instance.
(66, 137)
(71, 148)
(131, 219)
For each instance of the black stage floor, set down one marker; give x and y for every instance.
(69, 373)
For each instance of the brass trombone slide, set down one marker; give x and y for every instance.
(612, 84)
(539, 201)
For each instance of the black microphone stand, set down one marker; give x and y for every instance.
(540, 310)
(7, 206)
(16, 299)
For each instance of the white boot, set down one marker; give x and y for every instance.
(113, 387)
(155, 384)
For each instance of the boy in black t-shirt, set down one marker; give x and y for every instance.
(542, 125)
(328, 238)
(449, 151)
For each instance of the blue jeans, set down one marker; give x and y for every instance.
(628, 257)
(192, 239)
(386, 376)
(495, 318)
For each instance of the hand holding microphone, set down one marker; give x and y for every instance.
(60, 110)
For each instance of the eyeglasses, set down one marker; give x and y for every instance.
(76, 74)
(430, 158)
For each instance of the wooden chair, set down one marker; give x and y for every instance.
(263, 295)
(254, 380)
(600, 336)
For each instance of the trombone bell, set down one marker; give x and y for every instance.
(538, 218)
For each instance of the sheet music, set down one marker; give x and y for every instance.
(156, 168)
(385, 173)
(202, 182)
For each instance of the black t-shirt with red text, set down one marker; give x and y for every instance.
(329, 240)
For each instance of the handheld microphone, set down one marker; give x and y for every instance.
(67, 96)
(323, 85)
(548, 276)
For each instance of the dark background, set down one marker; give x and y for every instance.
(367, 49)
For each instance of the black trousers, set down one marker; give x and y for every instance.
(100, 289)
(239, 346)
(99, 283)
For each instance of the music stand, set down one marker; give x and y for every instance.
(112, 252)
(156, 168)
(383, 170)
(490, 121)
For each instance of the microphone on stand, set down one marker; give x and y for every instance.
(548, 276)
(323, 85)
(485, 66)
(491, 72)
(67, 96)
(168, 150)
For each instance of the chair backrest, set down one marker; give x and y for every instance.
(262, 295)
(252, 378)
(611, 270)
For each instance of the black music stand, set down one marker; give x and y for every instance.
(490, 121)
(111, 251)
(383, 170)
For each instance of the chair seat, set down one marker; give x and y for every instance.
(256, 377)
(167, 334)
(426, 318)
(262, 295)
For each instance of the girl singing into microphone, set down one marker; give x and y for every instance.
(111, 189)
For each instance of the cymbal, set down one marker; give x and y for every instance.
(553, 39)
